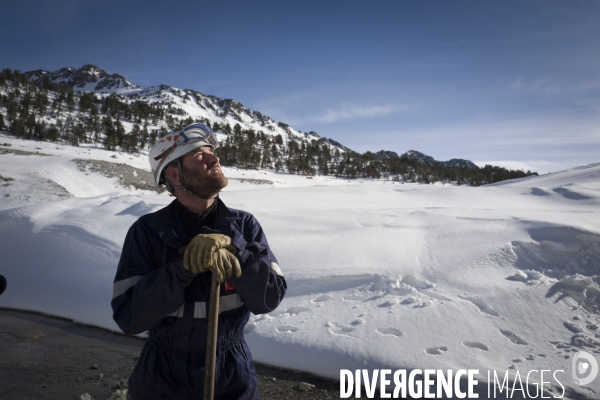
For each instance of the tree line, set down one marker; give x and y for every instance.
(49, 111)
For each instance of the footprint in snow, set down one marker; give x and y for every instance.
(322, 298)
(390, 303)
(390, 331)
(560, 345)
(423, 304)
(482, 305)
(436, 350)
(513, 337)
(354, 298)
(476, 345)
(286, 328)
(296, 310)
(359, 321)
(573, 326)
(337, 329)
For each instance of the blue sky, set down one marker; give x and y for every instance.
(513, 83)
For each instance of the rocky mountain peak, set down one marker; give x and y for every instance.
(87, 78)
(386, 154)
(420, 157)
(425, 159)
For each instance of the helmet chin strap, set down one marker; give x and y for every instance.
(188, 190)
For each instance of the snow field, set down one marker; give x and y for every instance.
(380, 274)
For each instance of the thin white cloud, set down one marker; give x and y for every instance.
(546, 130)
(543, 86)
(555, 88)
(348, 111)
(425, 65)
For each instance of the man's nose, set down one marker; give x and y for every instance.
(211, 158)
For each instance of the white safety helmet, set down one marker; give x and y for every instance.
(177, 144)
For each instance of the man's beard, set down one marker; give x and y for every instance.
(203, 182)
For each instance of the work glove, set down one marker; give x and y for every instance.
(197, 254)
(224, 264)
(212, 252)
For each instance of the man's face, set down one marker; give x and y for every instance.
(202, 172)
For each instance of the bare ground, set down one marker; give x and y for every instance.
(44, 357)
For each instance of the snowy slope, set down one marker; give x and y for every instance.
(380, 275)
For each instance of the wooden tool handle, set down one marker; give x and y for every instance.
(211, 340)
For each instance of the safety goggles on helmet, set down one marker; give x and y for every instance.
(189, 135)
(177, 144)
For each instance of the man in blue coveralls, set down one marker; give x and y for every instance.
(163, 280)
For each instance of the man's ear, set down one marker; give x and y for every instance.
(172, 174)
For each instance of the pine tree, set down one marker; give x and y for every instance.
(53, 134)
(266, 160)
(18, 128)
(41, 103)
(120, 133)
(86, 102)
(130, 141)
(144, 136)
(153, 138)
(274, 151)
(12, 107)
(79, 133)
(26, 103)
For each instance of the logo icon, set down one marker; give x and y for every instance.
(585, 368)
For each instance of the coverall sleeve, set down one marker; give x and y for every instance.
(262, 285)
(145, 291)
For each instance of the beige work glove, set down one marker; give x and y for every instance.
(224, 264)
(196, 257)
(208, 252)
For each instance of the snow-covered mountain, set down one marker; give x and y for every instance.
(88, 78)
(196, 105)
(90, 106)
(425, 159)
(186, 102)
